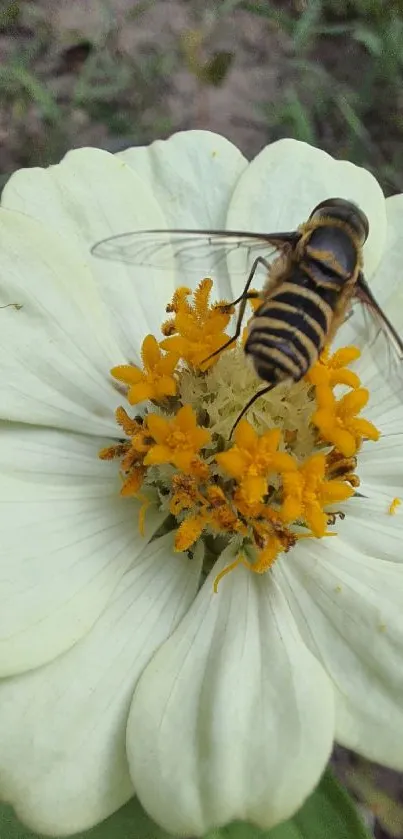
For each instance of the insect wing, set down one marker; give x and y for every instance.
(202, 250)
(383, 348)
(377, 320)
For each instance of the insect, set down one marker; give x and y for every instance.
(314, 274)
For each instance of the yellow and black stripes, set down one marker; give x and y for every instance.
(308, 291)
(289, 329)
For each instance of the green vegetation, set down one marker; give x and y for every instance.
(348, 61)
(110, 85)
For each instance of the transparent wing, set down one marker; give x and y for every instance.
(379, 327)
(193, 248)
(383, 348)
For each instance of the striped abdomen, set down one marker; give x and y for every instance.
(290, 328)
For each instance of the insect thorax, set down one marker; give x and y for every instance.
(330, 252)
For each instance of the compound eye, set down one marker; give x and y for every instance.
(364, 223)
(343, 210)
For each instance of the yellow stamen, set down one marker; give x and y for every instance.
(252, 459)
(230, 567)
(117, 450)
(132, 483)
(130, 426)
(222, 515)
(267, 556)
(255, 489)
(189, 531)
(332, 370)
(337, 420)
(142, 512)
(156, 381)
(185, 493)
(306, 492)
(196, 330)
(177, 440)
(395, 504)
(299, 536)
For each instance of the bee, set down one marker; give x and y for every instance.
(314, 274)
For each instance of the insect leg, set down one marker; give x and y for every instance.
(249, 404)
(243, 299)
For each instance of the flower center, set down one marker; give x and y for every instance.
(277, 480)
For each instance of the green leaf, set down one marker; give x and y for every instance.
(215, 71)
(329, 813)
(16, 77)
(371, 39)
(10, 14)
(130, 822)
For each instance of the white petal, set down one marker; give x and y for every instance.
(192, 176)
(380, 468)
(370, 529)
(56, 351)
(89, 196)
(62, 728)
(386, 282)
(385, 406)
(349, 610)
(281, 187)
(232, 718)
(380, 372)
(66, 538)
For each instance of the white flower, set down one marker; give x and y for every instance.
(121, 674)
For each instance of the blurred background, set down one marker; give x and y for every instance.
(115, 73)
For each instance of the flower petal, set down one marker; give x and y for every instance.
(158, 454)
(150, 352)
(386, 283)
(245, 436)
(371, 530)
(140, 392)
(66, 539)
(232, 718)
(381, 468)
(233, 461)
(253, 488)
(165, 386)
(57, 350)
(349, 610)
(192, 176)
(62, 727)
(284, 183)
(158, 427)
(385, 384)
(128, 374)
(89, 196)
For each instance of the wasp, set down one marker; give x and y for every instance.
(314, 277)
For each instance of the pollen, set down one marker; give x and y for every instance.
(287, 473)
(155, 381)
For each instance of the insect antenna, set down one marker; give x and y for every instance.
(242, 299)
(249, 404)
